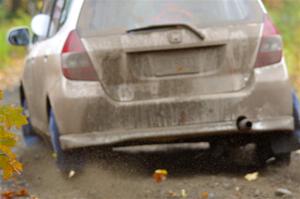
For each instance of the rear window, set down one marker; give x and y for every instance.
(118, 15)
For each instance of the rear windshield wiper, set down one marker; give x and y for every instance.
(176, 25)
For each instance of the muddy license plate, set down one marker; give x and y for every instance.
(178, 65)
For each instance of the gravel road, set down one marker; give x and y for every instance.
(127, 173)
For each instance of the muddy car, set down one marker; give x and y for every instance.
(130, 72)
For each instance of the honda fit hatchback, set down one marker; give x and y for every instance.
(129, 72)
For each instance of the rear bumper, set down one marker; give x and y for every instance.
(87, 117)
(203, 131)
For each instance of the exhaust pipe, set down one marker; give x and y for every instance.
(244, 124)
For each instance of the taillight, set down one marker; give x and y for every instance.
(76, 64)
(270, 51)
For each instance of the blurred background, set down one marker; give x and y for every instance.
(285, 14)
(13, 13)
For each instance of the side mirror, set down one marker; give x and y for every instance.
(40, 24)
(19, 36)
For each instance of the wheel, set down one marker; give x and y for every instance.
(264, 153)
(296, 108)
(218, 150)
(27, 130)
(283, 159)
(282, 145)
(65, 160)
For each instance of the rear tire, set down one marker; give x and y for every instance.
(264, 153)
(264, 148)
(64, 159)
(283, 159)
(28, 133)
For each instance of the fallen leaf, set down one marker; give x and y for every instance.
(183, 193)
(282, 192)
(54, 155)
(172, 194)
(72, 173)
(160, 175)
(251, 176)
(13, 194)
(22, 193)
(7, 195)
(204, 195)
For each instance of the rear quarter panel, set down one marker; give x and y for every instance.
(43, 69)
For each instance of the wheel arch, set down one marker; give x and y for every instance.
(21, 92)
(48, 107)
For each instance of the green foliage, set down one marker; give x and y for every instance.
(8, 52)
(287, 19)
(10, 117)
(286, 16)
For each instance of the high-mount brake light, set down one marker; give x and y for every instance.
(76, 64)
(270, 51)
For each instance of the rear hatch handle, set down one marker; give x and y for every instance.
(169, 25)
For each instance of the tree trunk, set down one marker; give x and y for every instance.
(12, 6)
(15, 6)
(32, 7)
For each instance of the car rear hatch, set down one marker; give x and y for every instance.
(166, 49)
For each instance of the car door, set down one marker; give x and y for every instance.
(39, 62)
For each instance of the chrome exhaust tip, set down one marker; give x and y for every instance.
(244, 124)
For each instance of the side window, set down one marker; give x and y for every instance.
(59, 16)
(58, 11)
(64, 13)
(46, 9)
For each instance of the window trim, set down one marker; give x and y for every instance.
(51, 18)
(59, 25)
(67, 6)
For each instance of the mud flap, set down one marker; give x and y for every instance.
(291, 142)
